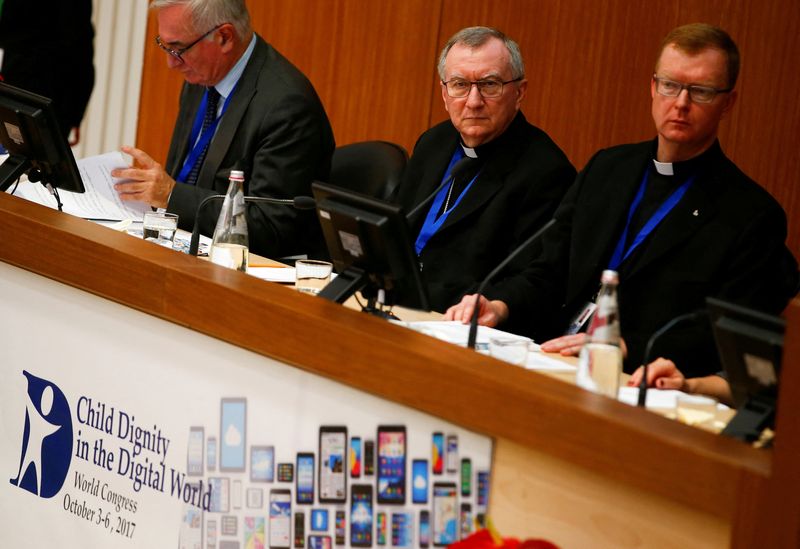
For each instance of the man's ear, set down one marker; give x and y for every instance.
(227, 37)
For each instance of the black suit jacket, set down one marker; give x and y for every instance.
(725, 238)
(523, 180)
(48, 49)
(276, 130)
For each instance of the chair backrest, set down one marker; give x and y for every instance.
(373, 168)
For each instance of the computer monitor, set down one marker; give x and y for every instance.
(30, 133)
(370, 245)
(750, 346)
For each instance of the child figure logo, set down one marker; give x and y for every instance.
(46, 439)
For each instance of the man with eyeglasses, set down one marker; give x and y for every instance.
(515, 179)
(243, 106)
(674, 216)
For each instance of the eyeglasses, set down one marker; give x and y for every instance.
(698, 94)
(458, 87)
(178, 54)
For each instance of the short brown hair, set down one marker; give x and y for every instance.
(696, 37)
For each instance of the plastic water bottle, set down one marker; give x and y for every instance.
(600, 360)
(230, 244)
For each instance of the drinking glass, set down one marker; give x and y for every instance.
(160, 227)
(312, 275)
(513, 350)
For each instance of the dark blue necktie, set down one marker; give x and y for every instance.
(208, 119)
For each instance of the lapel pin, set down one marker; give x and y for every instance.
(696, 213)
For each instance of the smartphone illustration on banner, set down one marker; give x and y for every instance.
(361, 515)
(355, 457)
(483, 487)
(419, 481)
(445, 514)
(232, 435)
(339, 526)
(424, 528)
(392, 464)
(369, 457)
(380, 533)
(211, 534)
(319, 520)
(437, 453)
(299, 530)
(194, 464)
(319, 542)
(466, 477)
(332, 460)
(403, 530)
(280, 517)
(211, 453)
(285, 472)
(253, 532)
(305, 478)
(465, 518)
(452, 453)
(262, 463)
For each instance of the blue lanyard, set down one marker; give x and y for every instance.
(620, 253)
(433, 223)
(205, 138)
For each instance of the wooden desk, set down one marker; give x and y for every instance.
(570, 466)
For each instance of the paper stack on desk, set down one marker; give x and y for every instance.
(457, 333)
(100, 201)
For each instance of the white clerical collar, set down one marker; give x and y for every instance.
(468, 151)
(664, 168)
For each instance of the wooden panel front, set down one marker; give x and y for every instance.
(622, 444)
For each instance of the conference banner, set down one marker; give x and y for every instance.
(119, 429)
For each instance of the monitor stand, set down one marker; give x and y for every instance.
(12, 169)
(750, 420)
(348, 283)
(344, 285)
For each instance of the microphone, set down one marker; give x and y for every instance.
(458, 168)
(298, 202)
(680, 319)
(473, 324)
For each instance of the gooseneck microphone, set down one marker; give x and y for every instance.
(473, 323)
(298, 202)
(458, 168)
(680, 319)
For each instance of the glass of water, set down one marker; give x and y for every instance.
(311, 275)
(160, 227)
(599, 368)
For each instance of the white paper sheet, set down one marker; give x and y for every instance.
(100, 201)
(457, 333)
(284, 275)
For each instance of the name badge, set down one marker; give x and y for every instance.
(579, 321)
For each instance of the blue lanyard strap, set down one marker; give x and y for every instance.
(620, 253)
(433, 223)
(199, 145)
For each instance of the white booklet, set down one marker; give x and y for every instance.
(100, 201)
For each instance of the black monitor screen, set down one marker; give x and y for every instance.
(750, 346)
(370, 246)
(30, 133)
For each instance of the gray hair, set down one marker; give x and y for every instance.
(475, 37)
(207, 14)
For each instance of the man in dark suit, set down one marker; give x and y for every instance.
(510, 188)
(47, 48)
(674, 216)
(243, 106)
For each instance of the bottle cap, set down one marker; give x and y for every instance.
(237, 174)
(609, 277)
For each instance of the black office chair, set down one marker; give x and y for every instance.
(373, 168)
